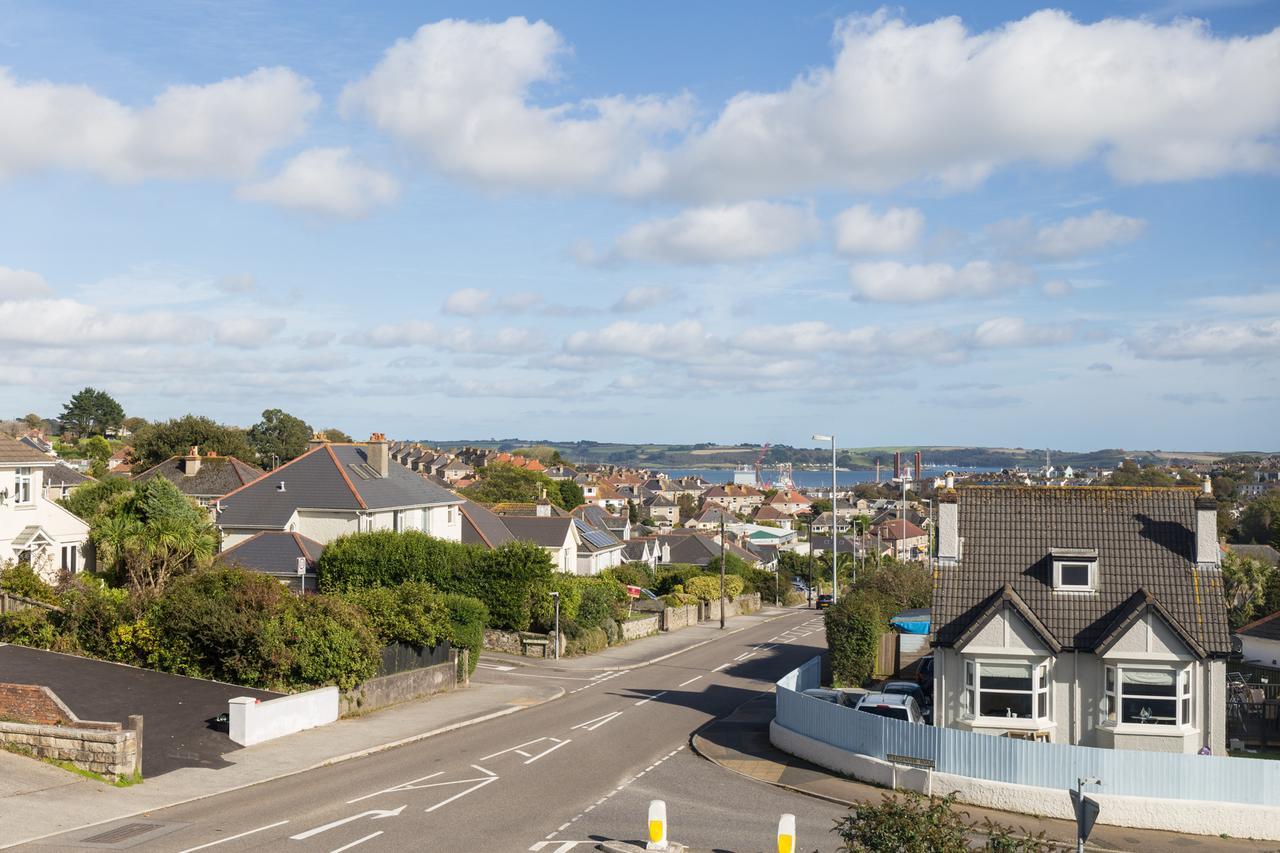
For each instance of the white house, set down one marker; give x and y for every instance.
(334, 489)
(1081, 615)
(34, 529)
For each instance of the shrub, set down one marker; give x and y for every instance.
(21, 579)
(543, 607)
(911, 823)
(467, 620)
(413, 613)
(896, 585)
(612, 630)
(707, 587)
(853, 627)
(630, 574)
(330, 642)
(586, 641)
(672, 576)
(30, 627)
(138, 643)
(680, 598)
(602, 599)
(91, 612)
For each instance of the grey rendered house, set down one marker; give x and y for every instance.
(334, 489)
(1082, 615)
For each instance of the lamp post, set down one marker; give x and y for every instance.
(809, 524)
(722, 570)
(835, 518)
(555, 596)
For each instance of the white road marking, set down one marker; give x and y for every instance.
(494, 666)
(722, 666)
(690, 681)
(744, 656)
(234, 837)
(492, 777)
(534, 758)
(358, 841)
(592, 725)
(518, 748)
(411, 785)
(651, 698)
(378, 814)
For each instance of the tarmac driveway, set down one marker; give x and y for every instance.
(177, 712)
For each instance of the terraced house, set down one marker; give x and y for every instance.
(1082, 615)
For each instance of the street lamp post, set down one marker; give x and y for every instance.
(555, 596)
(721, 570)
(809, 524)
(835, 518)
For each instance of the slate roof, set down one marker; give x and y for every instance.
(64, 475)
(331, 476)
(596, 517)
(894, 530)
(547, 532)
(592, 539)
(511, 509)
(1265, 553)
(217, 475)
(1145, 539)
(1266, 628)
(274, 552)
(14, 452)
(480, 526)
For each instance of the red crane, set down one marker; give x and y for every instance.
(760, 461)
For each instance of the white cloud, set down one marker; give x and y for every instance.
(1058, 288)
(737, 232)
(412, 333)
(1195, 398)
(1011, 332)
(22, 284)
(248, 332)
(237, 283)
(1266, 302)
(475, 302)
(903, 102)
(506, 341)
(1081, 235)
(1211, 341)
(641, 299)
(860, 231)
(458, 92)
(328, 181)
(67, 323)
(656, 341)
(891, 281)
(219, 130)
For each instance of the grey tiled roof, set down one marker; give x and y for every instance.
(15, 452)
(217, 475)
(332, 476)
(64, 475)
(482, 527)
(1266, 628)
(1265, 553)
(274, 552)
(1145, 540)
(547, 532)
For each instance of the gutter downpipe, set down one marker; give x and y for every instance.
(1075, 702)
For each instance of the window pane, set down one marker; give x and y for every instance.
(1186, 712)
(1042, 679)
(1006, 676)
(1042, 705)
(1150, 711)
(995, 704)
(1111, 679)
(1148, 682)
(1075, 574)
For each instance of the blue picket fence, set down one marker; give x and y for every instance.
(1047, 765)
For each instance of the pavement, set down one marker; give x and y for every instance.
(557, 776)
(740, 742)
(177, 712)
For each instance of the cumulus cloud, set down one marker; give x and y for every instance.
(218, 130)
(1081, 235)
(724, 233)
(506, 341)
(248, 332)
(476, 302)
(892, 281)
(902, 102)
(1058, 288)
(329, 181)
(1006, 332)
(861, 231)
(459, 93)
(1211, 342)
(641, 299)
(656, 341)
(68, 323)
(22, 284)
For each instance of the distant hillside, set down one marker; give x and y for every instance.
(708, 455)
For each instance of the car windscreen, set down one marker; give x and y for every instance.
(893, 712)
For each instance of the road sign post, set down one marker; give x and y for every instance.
(1086, 811)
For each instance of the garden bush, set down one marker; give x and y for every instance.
(91, 612)
(467, 620)
(602, 599)
(413, 613)
(671, 576)
(853, 628)
(911, 823)
(30, 627)
(330, 641)
(543, 607)
(707, 587)
(586, 641)
(680, 598)
(21, 579)
(631, 574)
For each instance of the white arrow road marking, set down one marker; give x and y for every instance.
(411, 785)
(498, 667)
(489, 777)
(377, 814)
(592, 725)
(651, 698)
(358, 841)
(519, 749)
(234, 837)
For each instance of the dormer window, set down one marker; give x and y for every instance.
(1075, 570)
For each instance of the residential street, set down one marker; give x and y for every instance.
(580, 768)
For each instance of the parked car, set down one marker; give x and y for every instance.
(915, 691)
(825, 600)
(826, 694)
(895, 706)
(924, 676)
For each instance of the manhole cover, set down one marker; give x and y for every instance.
(123, 833)
(121, 836)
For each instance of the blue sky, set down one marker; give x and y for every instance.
(999, 224)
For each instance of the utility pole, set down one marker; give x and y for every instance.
(555, 596)
(835, 518)
(722, 604)
(809, 525)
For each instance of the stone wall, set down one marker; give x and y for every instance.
(741, 605)
(634, 629)
(513, 643)
(113, 754)
(401, 687)
(678, 618)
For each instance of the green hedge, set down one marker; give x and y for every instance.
(467, 620)
(506, 579)
(707, 587)
(854, 626)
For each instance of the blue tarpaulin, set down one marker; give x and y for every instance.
(912, 621)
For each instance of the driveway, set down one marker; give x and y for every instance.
(177, 712)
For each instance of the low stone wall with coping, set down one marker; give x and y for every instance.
(34, 721)
(400, 687)
(679, 618)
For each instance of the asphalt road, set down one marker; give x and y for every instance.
(552, 778)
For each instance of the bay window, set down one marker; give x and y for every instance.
(1006, 690)
(1148, 696)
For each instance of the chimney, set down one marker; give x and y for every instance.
(376, 452)
(897, 465)
(191, 462)
(1207, 553)
(317, 440)
(949, 523)
(544, 506)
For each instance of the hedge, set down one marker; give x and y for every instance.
(467, 620)
(853, 627)
(707, 587)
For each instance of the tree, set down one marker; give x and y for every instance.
(91, 412)
(32, 420)
(501, 482)
(337, 436)
(134, 423)
(279, 437)
(156, 442)
(1260, 521)
(688, 506)
(1245, 584)
(1130, 473)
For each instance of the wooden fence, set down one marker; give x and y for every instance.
(10, 603)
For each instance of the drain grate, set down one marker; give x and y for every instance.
(123, 833)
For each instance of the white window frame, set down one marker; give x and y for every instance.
(1041, 692)
(71, 558)
(22, 492)
(1059, 586)
(1183, 698)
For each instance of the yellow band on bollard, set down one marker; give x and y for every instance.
(655, 831)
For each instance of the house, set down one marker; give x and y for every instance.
(334, 489)
(642, 550)
(559, 537)
(789, 502)
(711, 518)
(482, 526)
(119, 460)
(660, 508)
(36, 441)
(699, 549)
(34, 529)
(1260, 641)
(204, 478)
(597, 549)
(822, 523)
(902, 540)
(594, 516)
(773, 515)
(735, 497)
(1082, 615)
(1262, 553)
(603, 495)
(289, 557)
(60, 479)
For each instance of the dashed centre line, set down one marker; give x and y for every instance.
(651, 698)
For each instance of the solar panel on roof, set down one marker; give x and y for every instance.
(598, 538)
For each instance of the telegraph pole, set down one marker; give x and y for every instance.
(722, 604)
